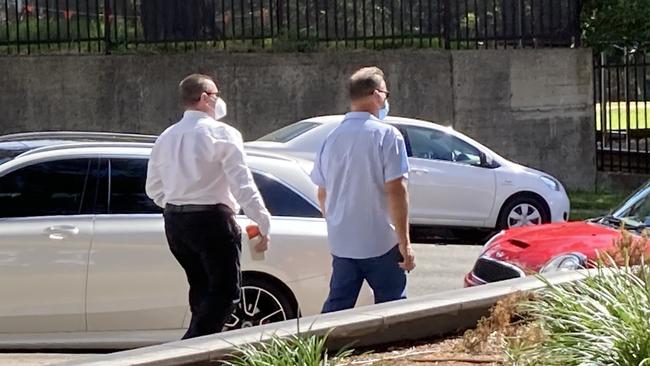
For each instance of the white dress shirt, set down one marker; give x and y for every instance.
(202, 161)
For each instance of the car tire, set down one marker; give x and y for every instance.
(262, 302)
(523, 211)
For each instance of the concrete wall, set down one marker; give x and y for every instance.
(533, 106)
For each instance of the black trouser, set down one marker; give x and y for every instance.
(207, 243)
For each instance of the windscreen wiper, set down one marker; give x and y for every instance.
(613, 220)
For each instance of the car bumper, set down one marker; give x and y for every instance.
(559, 206)
(470, 280)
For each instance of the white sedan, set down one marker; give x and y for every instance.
(83, 255)
(454, 181)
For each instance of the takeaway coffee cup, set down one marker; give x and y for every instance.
(254, 238)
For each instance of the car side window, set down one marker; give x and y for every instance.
(438, 145)
(52, 188)
(127, 187)
(281, 200)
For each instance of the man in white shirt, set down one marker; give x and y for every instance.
(197, 172)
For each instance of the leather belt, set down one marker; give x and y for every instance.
(190, 208)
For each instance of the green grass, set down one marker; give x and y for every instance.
(617, 115)
(586, 205)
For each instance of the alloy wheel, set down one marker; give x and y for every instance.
(524, 214)
(256, 307)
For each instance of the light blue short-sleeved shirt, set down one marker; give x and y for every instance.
(353, 164)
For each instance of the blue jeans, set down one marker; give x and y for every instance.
(384, 275)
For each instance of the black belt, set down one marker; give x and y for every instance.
(191, 208)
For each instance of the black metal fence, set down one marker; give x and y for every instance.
(28, 26)
(622, 112)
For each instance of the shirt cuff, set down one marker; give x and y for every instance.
(265, 225)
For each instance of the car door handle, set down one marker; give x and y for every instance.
(419, 171)
(60, 232)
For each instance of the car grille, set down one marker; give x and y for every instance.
(490, 270)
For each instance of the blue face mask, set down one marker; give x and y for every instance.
(383, 112)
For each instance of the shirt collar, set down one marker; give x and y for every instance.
(194, 114)
(364, 116)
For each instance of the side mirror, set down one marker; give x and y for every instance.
(486, 160)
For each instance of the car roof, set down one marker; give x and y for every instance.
(13, 145)
(54, 144)
(27, 148)
(337, 118)
(74, 136)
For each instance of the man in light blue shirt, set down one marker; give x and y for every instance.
(361, 174)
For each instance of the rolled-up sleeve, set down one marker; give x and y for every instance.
(395, 158)
(241, 183)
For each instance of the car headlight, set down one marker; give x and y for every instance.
(565, 262)
(550, 182)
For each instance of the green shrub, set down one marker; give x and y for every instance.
(296, 350)
(603, 319)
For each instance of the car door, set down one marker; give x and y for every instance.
(134, 282)
(449, 183)
(45, 235)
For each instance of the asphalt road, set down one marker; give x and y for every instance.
(440, 267)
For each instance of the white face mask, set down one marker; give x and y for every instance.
(383, 112)
(220, 109)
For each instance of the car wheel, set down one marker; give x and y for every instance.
(523, 211)
(262, 302)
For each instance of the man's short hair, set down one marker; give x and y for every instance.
(192, 86)
(364, 82)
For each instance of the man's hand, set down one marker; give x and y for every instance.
(408, 264)
(263, 245)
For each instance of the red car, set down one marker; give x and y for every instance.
(521, 251)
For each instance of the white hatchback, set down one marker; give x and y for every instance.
(83, 255)
(454, 181)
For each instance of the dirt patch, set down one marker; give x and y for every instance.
(442, 352)
(484, 345)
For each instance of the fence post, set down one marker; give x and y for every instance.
(279, 14)
(521, 13)
(446, 15)
(107, 27)
(578, 26)
(604, 103)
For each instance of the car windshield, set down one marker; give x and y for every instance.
(290, 132)
(635, 211)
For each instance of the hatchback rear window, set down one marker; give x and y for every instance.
(290, 132)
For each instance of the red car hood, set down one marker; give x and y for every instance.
(531, 247)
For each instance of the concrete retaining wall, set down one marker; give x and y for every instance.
(532, 106)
